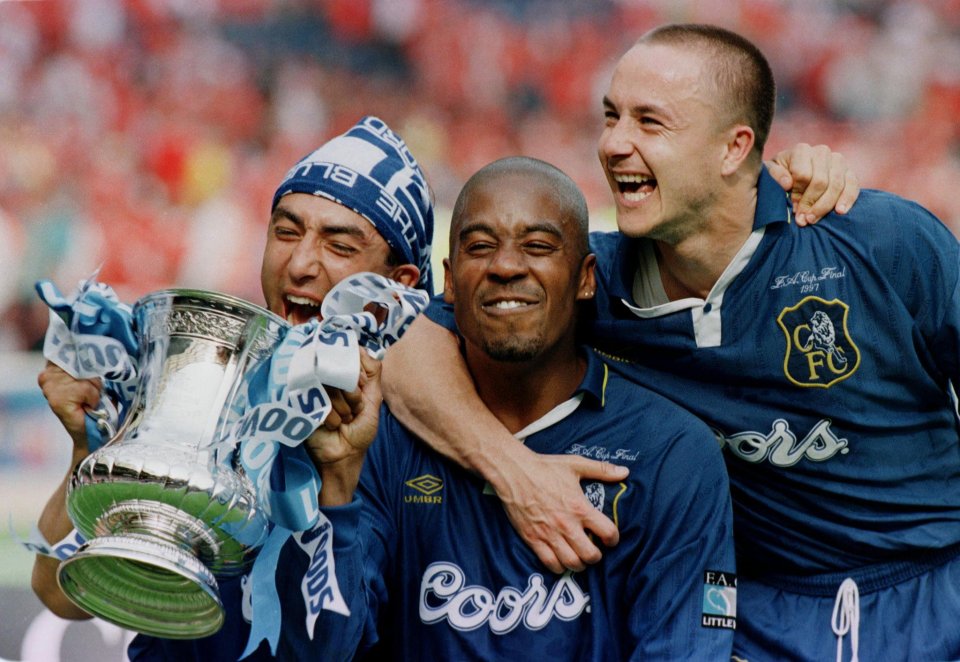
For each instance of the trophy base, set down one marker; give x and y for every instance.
(144, 583)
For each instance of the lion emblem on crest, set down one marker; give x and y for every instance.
(824, 337)
(595, 494)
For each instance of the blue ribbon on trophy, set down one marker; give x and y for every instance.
(90, 334)
(364, 311)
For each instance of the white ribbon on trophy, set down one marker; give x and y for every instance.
(288, 408)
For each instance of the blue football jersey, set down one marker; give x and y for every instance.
(446, 577)
(823, 360)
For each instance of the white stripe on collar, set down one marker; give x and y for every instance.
(555, 415)
(705, 313)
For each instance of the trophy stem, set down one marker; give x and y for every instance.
(143, 572)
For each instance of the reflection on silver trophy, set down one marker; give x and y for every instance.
(164, 511)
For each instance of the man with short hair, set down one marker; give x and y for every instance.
(824, 360)
(443, 573)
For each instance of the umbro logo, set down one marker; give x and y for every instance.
(425, 489)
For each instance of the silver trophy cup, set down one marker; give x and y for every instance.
(162, 509)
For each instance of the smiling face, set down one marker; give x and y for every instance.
(663, 142)
(312, 244)
(517, 266)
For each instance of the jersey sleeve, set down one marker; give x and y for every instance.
(921, 258)
(946, 339)
(364, 540)
(441, 312)
(938, 314)
(338, 637)
(682, 583)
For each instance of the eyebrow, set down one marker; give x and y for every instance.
(285, 214)
(281, 213)
(474, 227)
(640, 109)
(548, 228)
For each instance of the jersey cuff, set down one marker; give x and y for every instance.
(345, 521)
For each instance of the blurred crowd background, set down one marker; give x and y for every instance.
(145, 137)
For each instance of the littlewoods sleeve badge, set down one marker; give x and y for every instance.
(719, 600)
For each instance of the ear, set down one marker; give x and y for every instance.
(447, 281)
(406, 274)
(738, 147)
(587, 286)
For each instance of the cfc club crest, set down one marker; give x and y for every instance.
(819, 350)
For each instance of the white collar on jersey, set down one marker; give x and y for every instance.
(651, 298)
(555, 415)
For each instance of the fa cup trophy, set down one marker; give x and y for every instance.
(163, 508)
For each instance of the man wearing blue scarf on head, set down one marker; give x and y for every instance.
(359, 203)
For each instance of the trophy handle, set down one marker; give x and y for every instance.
(100, 419)
(99, 423)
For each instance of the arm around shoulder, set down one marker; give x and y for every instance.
(429, 389)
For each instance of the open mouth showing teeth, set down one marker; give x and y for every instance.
(510, 304)
(635, 188)
(301, 309)
(506, 305)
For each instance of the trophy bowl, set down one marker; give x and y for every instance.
(163, 506)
